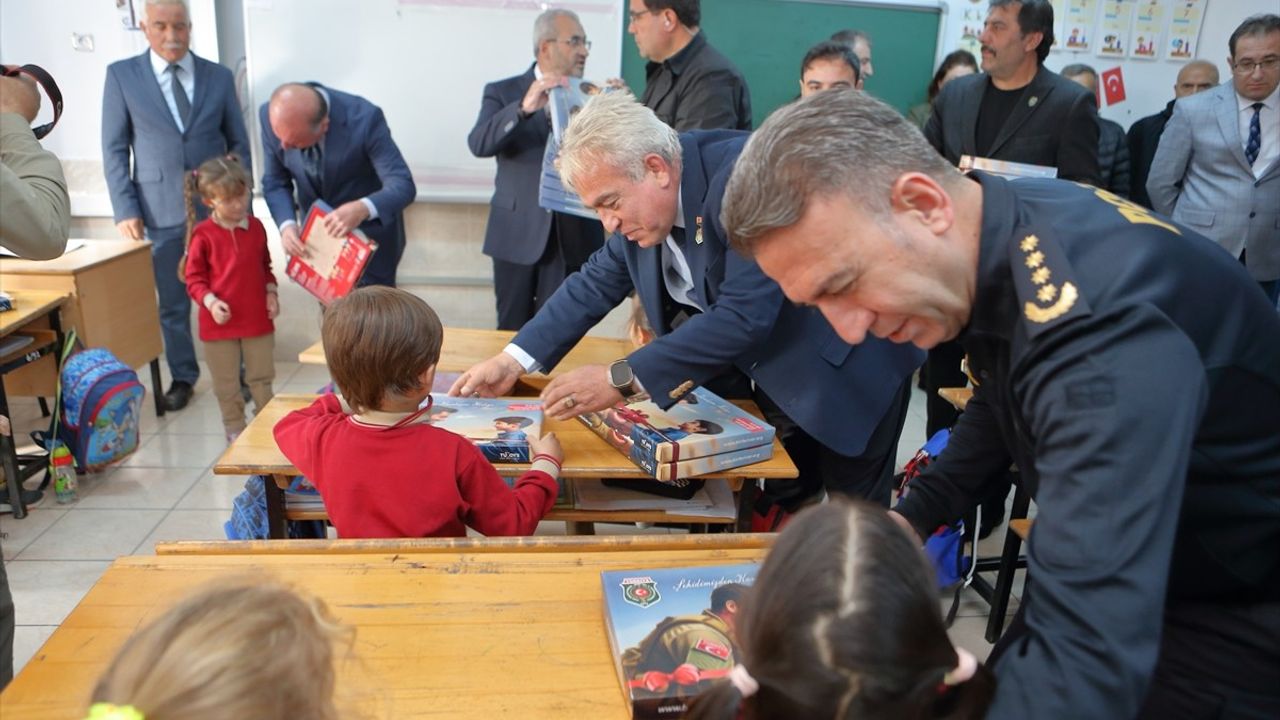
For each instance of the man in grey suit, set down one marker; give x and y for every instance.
(1217, 169)
(171, 111)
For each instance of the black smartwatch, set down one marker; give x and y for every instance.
(623, 380)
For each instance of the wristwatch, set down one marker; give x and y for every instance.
(623, 380)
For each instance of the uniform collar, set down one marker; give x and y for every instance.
(382, 419)
(994, 302)
(242, 225)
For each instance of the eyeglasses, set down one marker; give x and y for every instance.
(1246, 67)
(576, 42)
(635, 16)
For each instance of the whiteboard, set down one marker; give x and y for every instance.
(424, 62)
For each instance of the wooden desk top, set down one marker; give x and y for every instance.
(94, 252)
(439, 634)
(957, 396)
(28, 305)
(586, 455)
(464, 347)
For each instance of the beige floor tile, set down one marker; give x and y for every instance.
(138, 487)
(21, 533)
(186, 525)
(86, 534)
(178, 451)
(213, 492)
(44, 593)
(968, 632)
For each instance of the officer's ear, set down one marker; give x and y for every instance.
(731, 606)
(922, 198)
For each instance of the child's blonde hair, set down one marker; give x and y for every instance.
(216, 177)
(639, 331)
(250, 648)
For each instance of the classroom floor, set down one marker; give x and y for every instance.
(167, 491)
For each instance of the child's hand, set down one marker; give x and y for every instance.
(273, 305)
(548, 444)
(221, 311)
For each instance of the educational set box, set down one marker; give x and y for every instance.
(669, 643)
(333, 265)
(563, 102)
(703, 433)
(500, 427)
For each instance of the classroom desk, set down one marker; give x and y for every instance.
(112, 305)
(35, 313)
(462, 631)
(464, 347)
(586, 456)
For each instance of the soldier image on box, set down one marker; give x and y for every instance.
(686, 651)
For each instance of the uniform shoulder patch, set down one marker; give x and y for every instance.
(1044, 282)
(716, 650)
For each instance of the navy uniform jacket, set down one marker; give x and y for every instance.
(1133, 369)
(518, 227)
(360, 160)
(835, 391)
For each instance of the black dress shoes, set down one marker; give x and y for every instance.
(178, 396)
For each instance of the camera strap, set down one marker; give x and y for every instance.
(45, 81)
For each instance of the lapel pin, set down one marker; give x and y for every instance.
(1032, 102)
(697, 235)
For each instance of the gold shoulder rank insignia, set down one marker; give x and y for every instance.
(1044, 302)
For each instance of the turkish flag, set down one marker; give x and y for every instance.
(1113, 85)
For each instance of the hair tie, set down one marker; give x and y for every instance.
(107, 711)
(742, 680)
(195, 173)
(966, 666)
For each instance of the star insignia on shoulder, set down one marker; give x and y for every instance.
(1035, 259)
(1045, 302)
(1046, 293)
(1041, 275)
(1029, 243)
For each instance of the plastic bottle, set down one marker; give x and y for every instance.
(64, 475)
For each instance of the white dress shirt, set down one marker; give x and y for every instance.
(1269, 121)
(186, 73)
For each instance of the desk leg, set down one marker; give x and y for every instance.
(1008, 566)
(275, 508)
(9, 460)
(746, 504)
(156, 384)
(574, 527)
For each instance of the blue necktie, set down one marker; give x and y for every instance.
(312, 159)
(1254, 144)
(180, 96)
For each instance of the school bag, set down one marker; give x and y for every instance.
(101, 403)
(945, 548)
(248, 519)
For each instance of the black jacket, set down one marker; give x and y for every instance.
(698, 89)
(1113, 157)
(1144, 138)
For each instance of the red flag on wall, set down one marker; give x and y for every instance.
(1113, 85)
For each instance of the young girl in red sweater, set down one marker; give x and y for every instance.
(228, 274)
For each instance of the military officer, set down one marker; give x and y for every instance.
(679, 648)
(1127, 365)
(720, 322)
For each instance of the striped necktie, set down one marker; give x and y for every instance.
(1254, 143)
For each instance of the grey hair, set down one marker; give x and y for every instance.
(615, 130)
(544, 28)
(183, 3)
(830, 143)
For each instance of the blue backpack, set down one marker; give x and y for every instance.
(101, 403)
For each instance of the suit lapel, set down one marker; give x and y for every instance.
(203, 75)
(1033, 97)
(970, 106)
(146, 79)
(1228, 113)
(693, 194)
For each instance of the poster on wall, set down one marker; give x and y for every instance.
(1077, 25)
(1059, 10)
(973, 15)
(1147, 30)
(1113, 28)
(1185, 20)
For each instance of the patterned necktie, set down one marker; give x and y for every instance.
(1254, 144)
(180, 96)
(313, 159)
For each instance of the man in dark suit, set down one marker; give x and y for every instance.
(170, 111)
(532, 249)
(688, 83)
(1014, 110)
(1113, 147)
(1144, 134)
(333, 146)
(719, 321)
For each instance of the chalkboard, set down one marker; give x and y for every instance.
(767, 39)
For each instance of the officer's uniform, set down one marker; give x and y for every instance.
(1131, 369)
(699, 640)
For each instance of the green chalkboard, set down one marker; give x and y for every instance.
(766, 39)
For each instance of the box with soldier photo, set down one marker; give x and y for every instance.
(671, 632)
(500, 427)
(703, 433)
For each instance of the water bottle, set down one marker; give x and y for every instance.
(64, 475)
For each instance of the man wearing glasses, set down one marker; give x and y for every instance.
(689, 84)
(1217, 169)
(532, 249)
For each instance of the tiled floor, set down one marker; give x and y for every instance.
(167, 491)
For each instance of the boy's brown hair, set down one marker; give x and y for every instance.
(380, 340)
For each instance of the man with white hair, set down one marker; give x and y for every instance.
(169, 111)
(719, 321)
(532, 249)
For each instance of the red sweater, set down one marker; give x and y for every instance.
(235, 266)
(410, 481)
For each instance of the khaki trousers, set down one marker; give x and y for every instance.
(224, 357)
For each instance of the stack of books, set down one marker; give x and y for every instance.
(703, 433)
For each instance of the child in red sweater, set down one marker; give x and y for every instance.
(227, 269)
(381, 468)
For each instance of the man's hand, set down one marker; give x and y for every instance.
(536, 98)
(221, 311)
(273, 305)
(130, 228)
(585, 389)
(548, 444)
(490, 378)
(906, 525)
(19, 95)
(345, 218)
(292, 243)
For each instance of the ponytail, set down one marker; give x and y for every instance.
(189, 192)
(968, 700)
(721, 701)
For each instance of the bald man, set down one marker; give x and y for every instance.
(333, 146)
(1144, 135)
